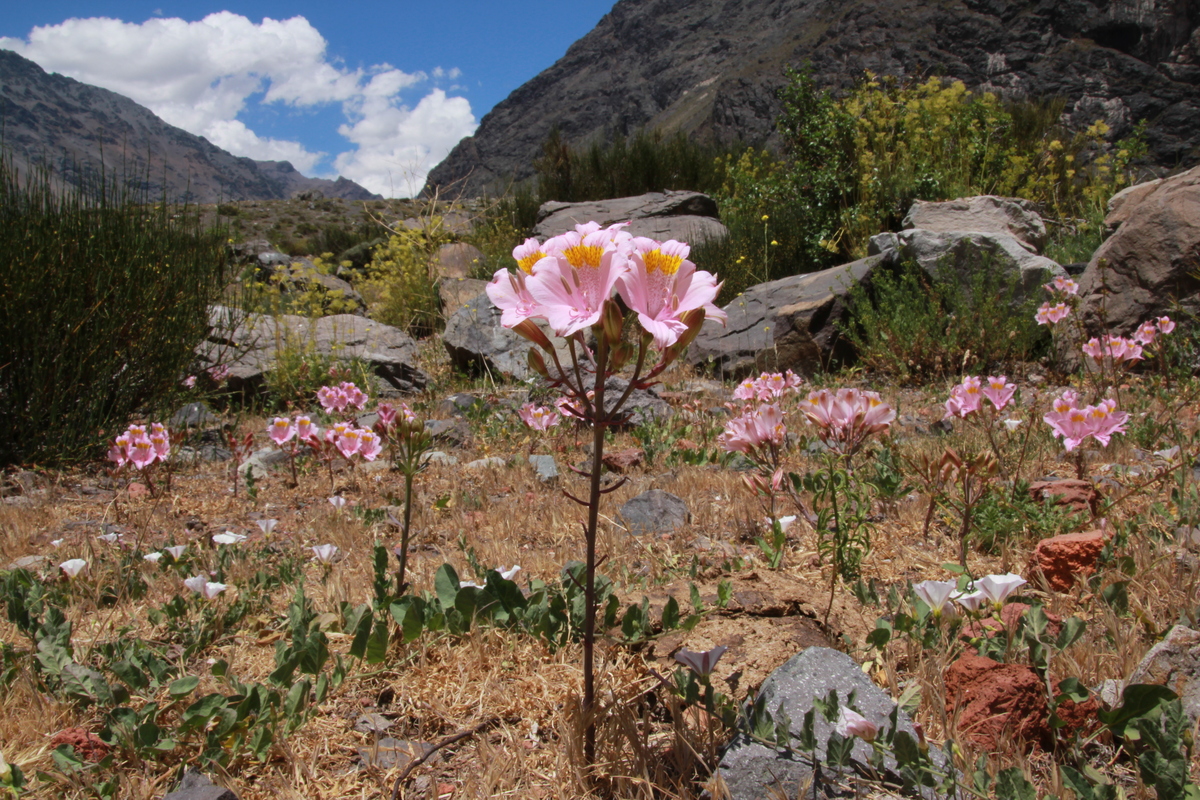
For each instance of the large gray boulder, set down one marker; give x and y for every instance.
(752, 771)
(250, 344)
(475, 339)
(1175, 663)
(684, 216)
(1152, 259)
(982, 214)
(961, 254)
(790, 323)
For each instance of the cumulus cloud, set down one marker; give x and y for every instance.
(201, 75)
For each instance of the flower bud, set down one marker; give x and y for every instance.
(538, 364)
(611, 320)
(529, 329)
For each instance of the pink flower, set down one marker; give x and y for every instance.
(189, 382)
(1145, 333)
(1050, 314)
(161, 443)
(999, 392)
(281, 430)
(332, 399)
(538, 418)
(753, 429)
(661, 285)
(354, 396)
(527, 254)
(141, 453)
(387, 414)
(573, 282)
(1165, 325)
(218, 373)
(1064, 285)
(1118, 348)
(305, 429)
(349, 442)
(1104, 420)
(509, 293)
(370, 445)
(851, 723)
(965, 398)
(767, 387)
(845, 419)
(1074, 424)
(119, 452)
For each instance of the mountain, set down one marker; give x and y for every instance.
(49, 118)
(712, 69)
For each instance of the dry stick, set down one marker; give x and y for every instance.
(451, 739)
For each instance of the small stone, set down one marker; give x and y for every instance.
(491, 462)
(193, 415)
(1078, 495)
(454, 432)
(389, 753)
(655, 511)
(1062, 559)
(1175, 663)
(372, 723)
(29, 562)
(547, 470)
(438, 457)
(196, 786)
(459, 403)
(624, 460)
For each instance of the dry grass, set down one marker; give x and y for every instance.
(523, 697)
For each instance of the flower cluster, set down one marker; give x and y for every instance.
(538, 418)
(767, 386)
(141, 446)
(990, 589)
(845, 418)
(967, 397)
(1074, 424)
(754, 429)
(1065, 291)
(567, 280)
(339, 398)
(389, 414)
(1116, 348)
(348, 439)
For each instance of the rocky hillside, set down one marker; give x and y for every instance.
(48, 117)
(712, 67)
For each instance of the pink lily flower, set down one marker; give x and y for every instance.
(142, 453)
(305, 429)
(370, 445)
(1146, 333)
(281, 430)
(661, 285)
(349, 442)
(119, 452)
(1104, 420)
(509, 292)
(1063, 284)
(1165, 325)
(999, 392)
(965, 399)
(527, 254)
(538, 418)
(574, 281)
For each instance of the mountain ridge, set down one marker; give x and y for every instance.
(76, 128)
(712, 68)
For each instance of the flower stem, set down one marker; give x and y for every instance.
(599, 423)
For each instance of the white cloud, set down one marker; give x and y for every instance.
(201, 75)
(397, 146)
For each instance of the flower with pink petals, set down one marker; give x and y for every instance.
(851, 723)
(281, 430)
(846, 419)
(141, 453)
(219, 373)
(1104, 420)
(1145, 334)
(349, 442)
(370, 445)
(1063, 285)
(661, 285)
(189, 382)
(965, 398)
(305, 429)
(119, 451)
(509, 292)
(354, 396)
(332, 399)
(538, 418)
(1165, 325)
(574, 281)
(1048, 314)
(998, 392)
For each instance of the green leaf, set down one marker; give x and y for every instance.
(297, 698)
(954, 569)
(183, 686)
(670, 615)
(1072, 689)
(358, 622)
(1072, 629)
(882, 634)
(200, 712)
(697, 602)
(1138, 700)
(445, 584)
(377, 646)
(1011, 784)
(409, 613)
(1116, 594)
(724, 593)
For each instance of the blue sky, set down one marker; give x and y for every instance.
(376, 91)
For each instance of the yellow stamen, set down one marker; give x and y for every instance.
(658, 260)
(526, 263)
(582, 255)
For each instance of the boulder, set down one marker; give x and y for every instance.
(1150, 262)
(249, 344)
(960, 254)
(544, 467)
(983, 214)
(785, 324)
(1175, 663)
(654, 511)
(458, 260)
(752, 771)
(457, 293)
(1062, 559)
(623, 461)
(641, 407)
(992, 701)
(475, 339)
(685, 216)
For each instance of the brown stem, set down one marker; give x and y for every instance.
(408, 483)
(599, 422)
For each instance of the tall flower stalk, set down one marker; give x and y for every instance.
(572, 282)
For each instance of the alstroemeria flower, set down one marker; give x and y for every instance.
(661, 285)
(281, 430)
(305, 429)
(998, 392)
(936, 594)
(851, 723)
(73, 566)
(1165, 325)
(538, 418)
(965, 398)
(1048, 314)
(369, 446)
(575, 279)
(701, 663)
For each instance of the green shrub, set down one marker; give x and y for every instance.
(910, 326)
(105, 296)
(401, 287)
(299, 370)
(504, 224)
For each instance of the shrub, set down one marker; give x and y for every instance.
(912, 326)
(504, 224)
(105, 297)
(299, 370)
(401, 287)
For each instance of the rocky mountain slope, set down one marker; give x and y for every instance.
(49, 118)
(712, 68)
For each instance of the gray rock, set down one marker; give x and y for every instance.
(457, 293)
(458, 260)
(193, 415)
(785, 324)
(491, 462)
(459, 403)
(438, 457)
(962, 253)
(654, 511)
(196, 786)
(1175, 663)
(547, 470)
(391, 753)
(249, 343)
(642, 405)
(449, 431)
(258, 464)
(372, 723)
(685, 216)
(752, 771)
(983, 214)
(475, 340)
(29, 562)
